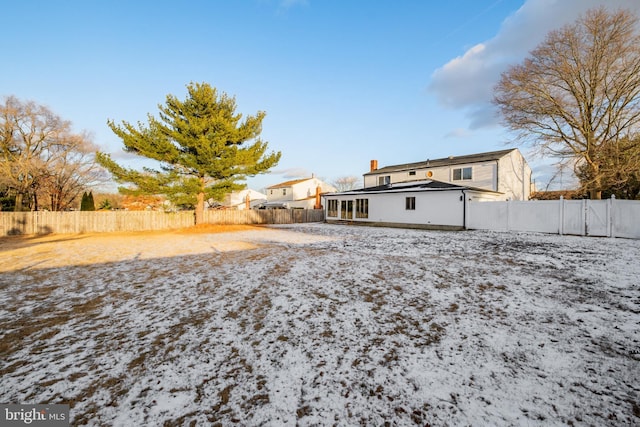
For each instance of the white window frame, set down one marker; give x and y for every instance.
(346, 209)
(410, 203)
(465, 174)
(362, 208)
(332, 210)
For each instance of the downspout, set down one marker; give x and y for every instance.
(464, 210)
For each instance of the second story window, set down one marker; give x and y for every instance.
(384, 180)
(284, 191)
(462, 174)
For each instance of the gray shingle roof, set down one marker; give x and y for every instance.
(412, 186)
(447, 161)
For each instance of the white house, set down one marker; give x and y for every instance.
(300, 193)
(504, 171)
(238, 199)
(419, 204)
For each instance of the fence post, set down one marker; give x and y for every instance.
(585, 217)
(610, 223)
(34, 223)
(508, 213)
(561, 225)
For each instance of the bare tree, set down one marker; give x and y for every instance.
(346, 183)
(40, 156)
(578, 93)
(71, 171)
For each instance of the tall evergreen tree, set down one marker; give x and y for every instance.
(91, 205)
(83, 202)
(203, 147)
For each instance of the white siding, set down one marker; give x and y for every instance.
(484, 175)
(432, 208)
(276, 194)
(306, 189)
(510, 175)
(515, 176)
(299, 191)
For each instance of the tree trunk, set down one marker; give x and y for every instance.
(200, 208)
(18, 206)
(596, 191)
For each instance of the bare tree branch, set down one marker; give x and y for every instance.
(41, 158)
(578, 94)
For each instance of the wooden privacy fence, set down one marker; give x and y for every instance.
(42, 222)
(263, 216)
(604, 218)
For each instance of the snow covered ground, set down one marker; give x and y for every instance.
(318, 324)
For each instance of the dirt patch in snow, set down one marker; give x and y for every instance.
(59, 250)
(323, 325)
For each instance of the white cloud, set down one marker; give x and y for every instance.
(458, 133)
(292, 173)
(466, 82)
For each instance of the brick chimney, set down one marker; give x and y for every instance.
(374, 165)
(318, 205)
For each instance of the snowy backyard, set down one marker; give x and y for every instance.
(317, 324)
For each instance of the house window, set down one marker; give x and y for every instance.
(460, 174)
(412, 173)
(384, 180)
(362, 208)
(284, 191)
(410, 203)
(332, 208)
(346, 211)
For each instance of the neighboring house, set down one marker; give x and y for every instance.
(300, 193)
(144, 203)
(504, 171)
(238, 199)
(420, 204)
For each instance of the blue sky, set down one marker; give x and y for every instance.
(342, 82)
